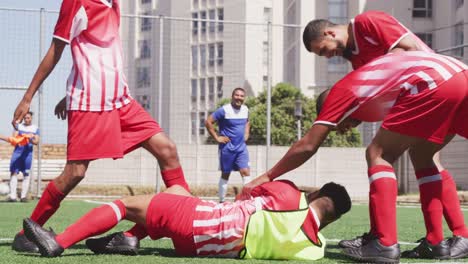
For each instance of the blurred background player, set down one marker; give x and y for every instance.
(205, 228)
(234, 129)
(23, 140)
(99, 106)
(368, 36)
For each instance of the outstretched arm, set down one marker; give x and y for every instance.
(247, 131)
(45, 68)
(299, 153)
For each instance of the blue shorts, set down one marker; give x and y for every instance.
(233, 160)
(21, 162)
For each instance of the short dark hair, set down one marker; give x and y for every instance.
(321, 100)
(237, 89)
(338, 194)
(30, 113)
(314, 31)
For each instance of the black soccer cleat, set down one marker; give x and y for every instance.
(44, 239)
(22, 244)
(373, 251)
(116, 243)
(357, 241)
(428, 251)
(458, 247)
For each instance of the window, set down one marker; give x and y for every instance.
(220, 54)
(194, 58)
(195, 23)
(202, 89)
(145, 2)
(202, 57)
(145, 50)
(211, 89)
(202, 123)
(194, 90)
(458, 3)
(265, 81)
(265, 54)
(203, 23)
(146, 22)
(143, 77)
(426, 38)
(194, 4)
(193, 122)
(338, 11)
(458, 40)
(219, 86)
(266, 18)
(211, 55)
(144, 101)
(337, 64)
(422, 8)
(220, 19)
(211, 15)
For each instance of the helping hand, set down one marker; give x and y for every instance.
(21, 110)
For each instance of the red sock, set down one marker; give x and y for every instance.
(382, 203)
(47, 205)
(95, 222)
(138, 231)
(430, 193)
(452, 211)
(173, 177)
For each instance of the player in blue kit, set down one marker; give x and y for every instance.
(234, 127)
(23, 139)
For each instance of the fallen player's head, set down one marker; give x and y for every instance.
(333, 201)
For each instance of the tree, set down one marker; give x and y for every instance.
(283, 121)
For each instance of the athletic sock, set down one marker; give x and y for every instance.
(95, 222)
(246, 179)
(382, 195)
(25, 187)
(451, 204)
(174, 176)
(222, 189)
(13, 186)
(138, 231)
(430, 193)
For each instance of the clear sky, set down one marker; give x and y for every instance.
(20, 56)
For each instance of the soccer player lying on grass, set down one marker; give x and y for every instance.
(422, 99)
(277, 215)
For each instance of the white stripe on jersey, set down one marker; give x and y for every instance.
(213, 222)
(218, 248)
(237, 232)
(430, 82)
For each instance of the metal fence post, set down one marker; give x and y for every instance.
(269, 83)
(39, 114)
(160, 84)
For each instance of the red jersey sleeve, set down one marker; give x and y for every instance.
(281, 194)
(379, 28)
(340, 103)
(71, 21)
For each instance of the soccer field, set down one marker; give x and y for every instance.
(410, 228)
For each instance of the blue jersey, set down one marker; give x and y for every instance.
(22, 129)
(232, 122)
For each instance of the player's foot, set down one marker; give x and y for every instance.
(428, 251)
(44, 239)
(12, 200)
(116, 243)
(24, 200)
(373, 251)
(458, 247)
(357, 241)
(22, 244)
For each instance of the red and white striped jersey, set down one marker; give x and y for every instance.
(375, 33)
(97, 81)
(368, 93)
(219, 228)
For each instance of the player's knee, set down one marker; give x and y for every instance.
(372, 153)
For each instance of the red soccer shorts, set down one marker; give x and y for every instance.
(172, 216)
(432, 114)
(108, 134)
